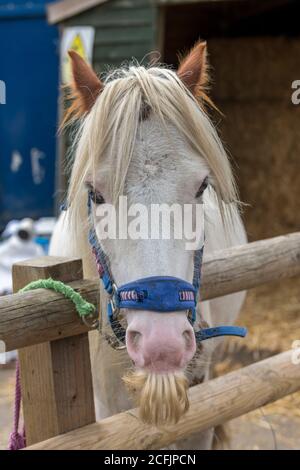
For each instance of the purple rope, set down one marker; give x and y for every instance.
(17, 440)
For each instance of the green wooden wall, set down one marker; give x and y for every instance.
(123, 29)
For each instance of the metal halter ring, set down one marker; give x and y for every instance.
(93, 323)
(114, 342)
(114, 308)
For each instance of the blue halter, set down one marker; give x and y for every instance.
(158, 293)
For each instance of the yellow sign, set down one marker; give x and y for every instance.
(81, 40)
(78, 46)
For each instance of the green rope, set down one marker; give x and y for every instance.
(82, 306)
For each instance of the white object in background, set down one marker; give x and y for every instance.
(18, 247)
(10, 228)
(42, 226)
(45, 226)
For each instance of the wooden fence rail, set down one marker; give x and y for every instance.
(55, 364)
(212, 403)
(38, 316)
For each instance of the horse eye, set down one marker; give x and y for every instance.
(202, 187)
(95, 196)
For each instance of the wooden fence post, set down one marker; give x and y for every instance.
(56, 379)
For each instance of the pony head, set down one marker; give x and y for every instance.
(144, 134)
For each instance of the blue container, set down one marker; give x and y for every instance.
(29, 68)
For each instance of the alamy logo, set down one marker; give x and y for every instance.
(154, 222)
(2, 92)
(296, 94)
(296, 352)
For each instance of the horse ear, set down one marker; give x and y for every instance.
(193, 69)
(85, 88)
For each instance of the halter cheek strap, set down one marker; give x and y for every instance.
(161, 294)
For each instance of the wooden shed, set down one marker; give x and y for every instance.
(123, 28)
(254, 49)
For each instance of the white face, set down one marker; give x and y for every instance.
(163, 169)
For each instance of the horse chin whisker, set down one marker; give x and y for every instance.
(162, 397)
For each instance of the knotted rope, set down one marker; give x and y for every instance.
(17, 440)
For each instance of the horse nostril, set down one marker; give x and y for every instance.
(133, 337)
(188, 337)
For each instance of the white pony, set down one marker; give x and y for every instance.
(144, 133)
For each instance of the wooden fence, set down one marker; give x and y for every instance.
(55, 362)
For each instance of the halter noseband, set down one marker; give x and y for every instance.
(161, 294)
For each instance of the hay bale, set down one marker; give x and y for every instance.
(252, 88)
(263, 140)
(254, 68)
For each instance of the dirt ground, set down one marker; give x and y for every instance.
(272, 316)
(7, 379)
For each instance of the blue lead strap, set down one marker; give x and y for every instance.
(207, 333)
